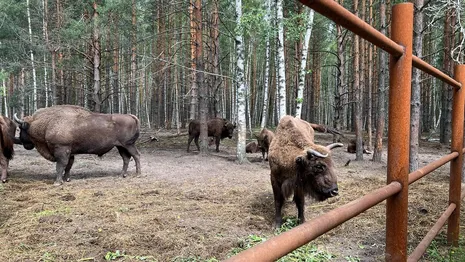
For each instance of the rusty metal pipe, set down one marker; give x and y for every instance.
(426, 241)
(280, 245)
(421, 172)
(400, 70)
(458, 107)
(427, 68)
(332, 10)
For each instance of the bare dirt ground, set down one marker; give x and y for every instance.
(185, 205)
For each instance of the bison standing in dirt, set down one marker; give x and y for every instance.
(352, 147)
(218, 128)
(7, 129)
(300, 166)
(60, 132)
(264, 140)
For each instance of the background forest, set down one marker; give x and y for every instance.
(172, 61)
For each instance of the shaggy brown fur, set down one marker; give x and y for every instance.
(7, 129)
(264, 140)
(252, 147)
(218, 128)
(299, 166)
(60, 132)
(352, 147)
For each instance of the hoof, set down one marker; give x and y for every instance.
(67, 180)
(4, 180)
(57, 183)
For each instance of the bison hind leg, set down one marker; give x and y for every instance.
(68, 168)
(132, 149)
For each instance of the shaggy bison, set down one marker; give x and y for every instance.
(300, 166)
(352, 147)
(7, 129)
(264, 140)
(60, 132)
(252, 147)
(218, 128)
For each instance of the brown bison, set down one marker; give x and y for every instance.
(218, 128)
(299, 166)
(7, 129)
(352, 147)
(252, 147)
(60, 132)
(264, 140)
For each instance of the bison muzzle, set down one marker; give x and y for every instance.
(61, 132)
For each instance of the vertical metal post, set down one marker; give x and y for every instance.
(453, 228)
(400, 71)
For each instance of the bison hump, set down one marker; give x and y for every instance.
(294, 131)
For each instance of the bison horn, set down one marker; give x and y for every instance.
(17, 120)
(334, 145)
(316, 153)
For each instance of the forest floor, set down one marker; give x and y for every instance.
(189, 206)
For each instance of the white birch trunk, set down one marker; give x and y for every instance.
(34, 78)
(303, 62)
(267, 65)
(281, 62)
(241, 89)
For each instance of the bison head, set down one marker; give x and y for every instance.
(23, 134)
(228, 129)
(315, 173)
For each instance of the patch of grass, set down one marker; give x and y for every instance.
(440, 251)
(121, 256)
(307, 252)
(47, 212)
(193, 259)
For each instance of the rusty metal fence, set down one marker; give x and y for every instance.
(398, 178)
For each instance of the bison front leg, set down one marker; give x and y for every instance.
(299, 199)
(217, 143)
(4, 164)
(62, 156)
(68, 168)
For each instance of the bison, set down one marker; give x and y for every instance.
(8, 130)
(218, 128)
(300, 166)
(264, 140)
(61, 132)
(252, 147)
(352, 147)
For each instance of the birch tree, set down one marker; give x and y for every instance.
(303, 61)
(240, 84)
(267, 64)
(34, 78)
(281, 67)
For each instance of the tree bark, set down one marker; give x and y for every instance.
(241, 88)
(31, 53)
(280, 60)
(96, 58)
(267, 66)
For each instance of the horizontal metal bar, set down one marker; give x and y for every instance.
(421, 172)
(280, 245)
(427, 68)
(332, 10)
(421, 248)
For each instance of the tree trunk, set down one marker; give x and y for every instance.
(416, 91)
(383, 63)
(280, 60)
(96, 58)
(216, 60)
(193, 113)
(34, 78)
(303, 61)
(267, 67)
(47, 45)
(133, 107)
(241, 88)
(370, 84)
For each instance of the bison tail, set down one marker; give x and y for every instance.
(5, 140)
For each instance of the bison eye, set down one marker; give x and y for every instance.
(299, 160)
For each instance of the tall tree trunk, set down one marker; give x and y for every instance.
(215, 32)
(303, 61)
(340, 98)
(383, 63)
(31, 52)
(193, 113)
(446, 129)
(267, 66)
(357, 94)
(241, 88)
(47, 45)
(370, 83)
(96, 58)
(415, 104)
(133, 106)
(281, 62)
